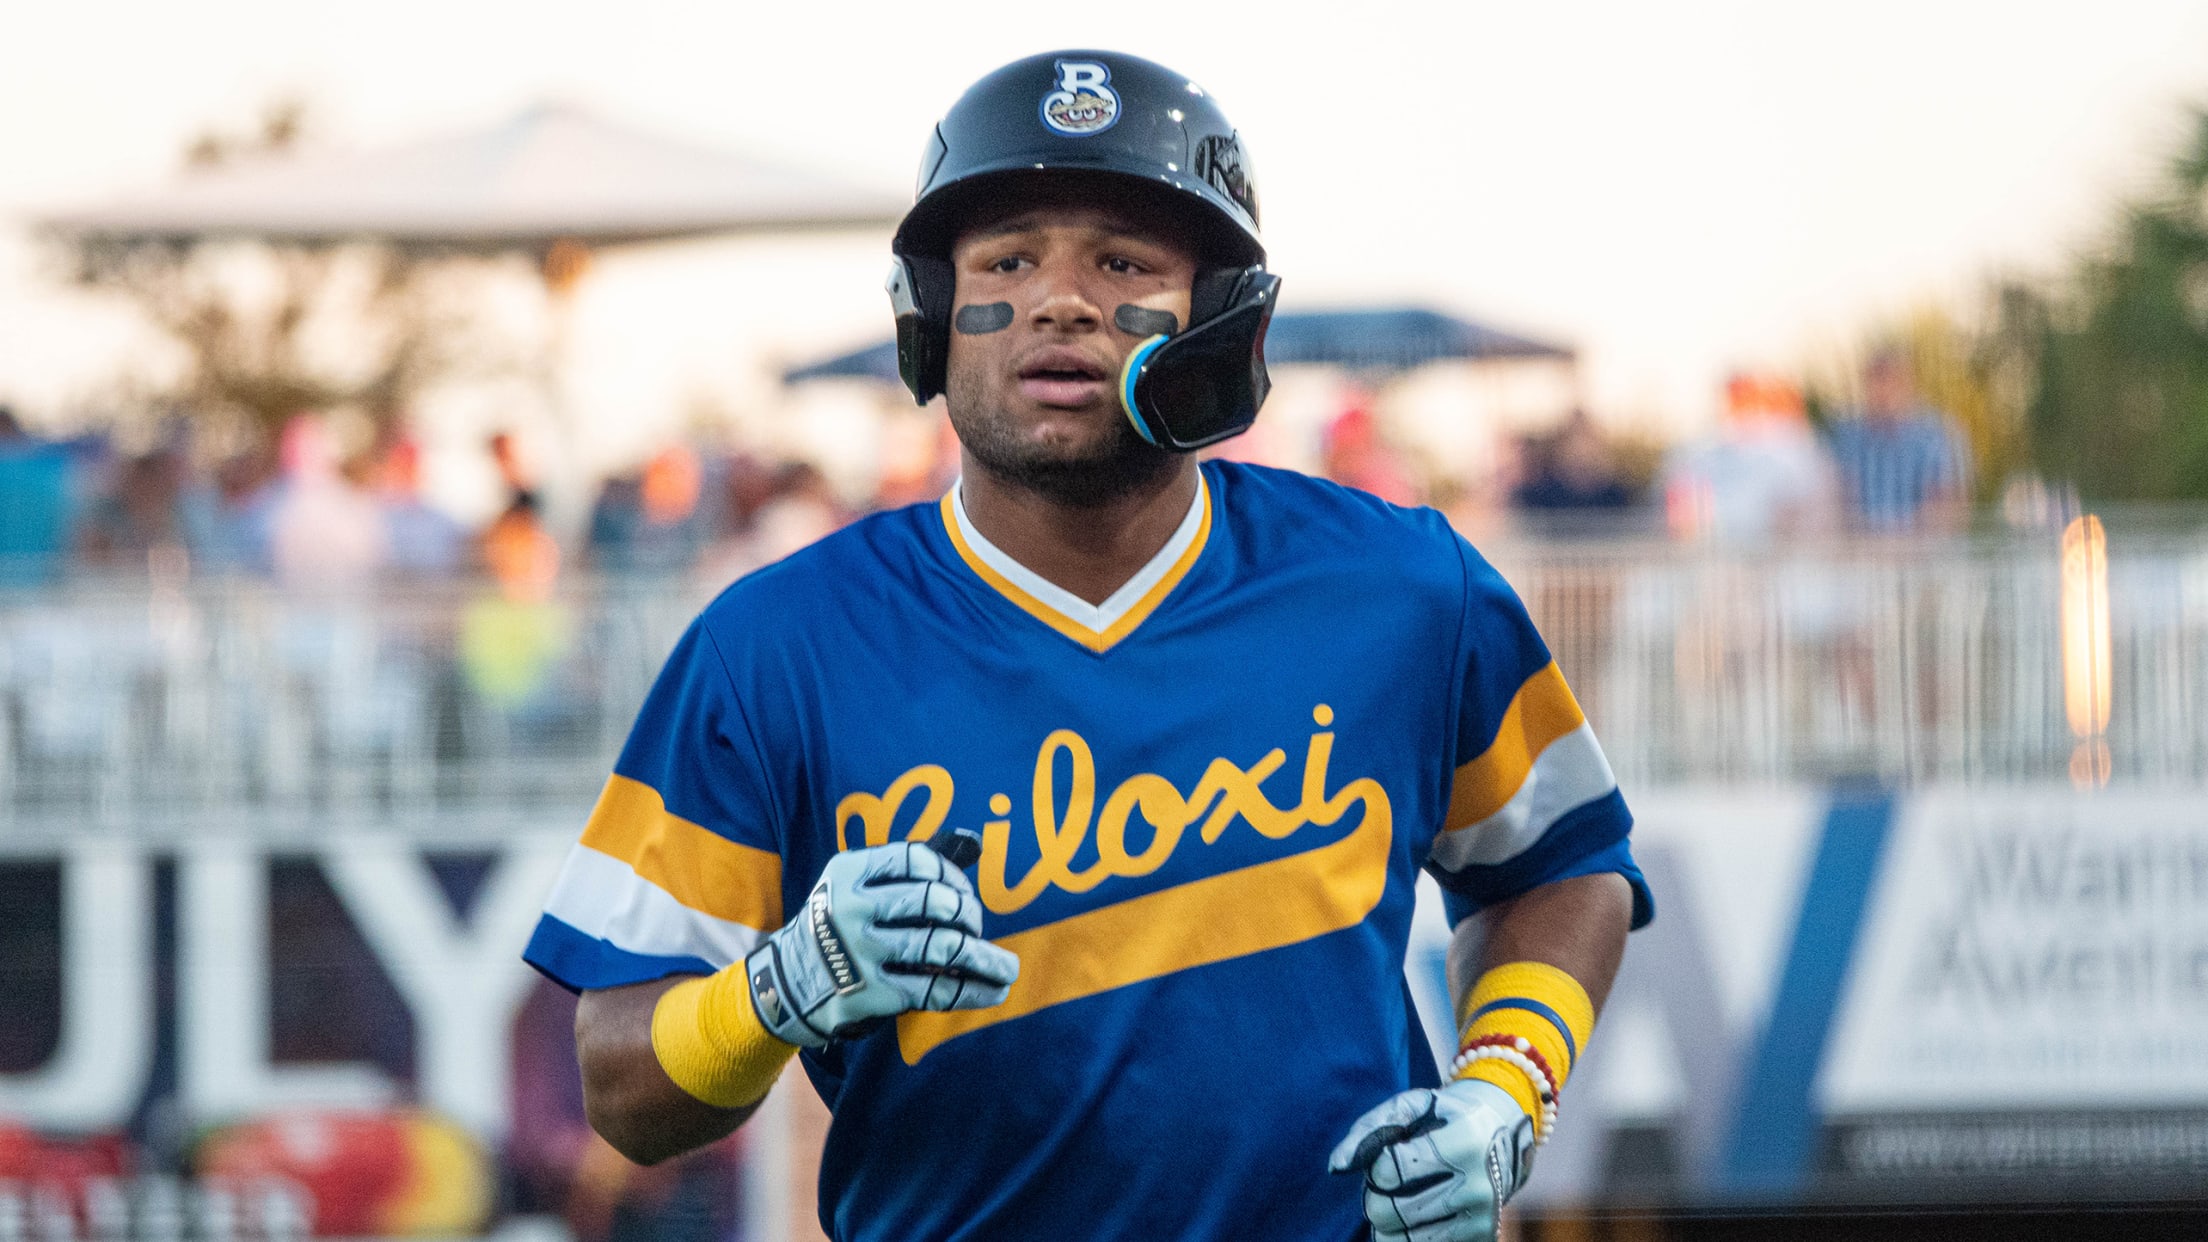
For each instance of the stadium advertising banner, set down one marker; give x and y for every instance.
(1983, 995)
(1950, 995)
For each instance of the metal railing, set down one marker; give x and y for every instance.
(238, 704)
(1903, 662)
(125, 704)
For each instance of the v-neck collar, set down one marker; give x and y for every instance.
(1095, 626)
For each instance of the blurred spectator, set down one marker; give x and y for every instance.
(512, 639)
(919, 457)
(656, 519)
(1761, 475)
(143, 511)
(746, 488)
(614, 519)
(34, 505)
(423, 539)
(514, 470)
(1354, 453)
(804, 508)
(749, 487)
(773, 513)
(1572, 482)
(1904, 466)
(323, 529)
(240, 512)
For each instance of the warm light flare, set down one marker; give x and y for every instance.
(2087, 653)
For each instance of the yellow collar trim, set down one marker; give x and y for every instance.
(1093, 639)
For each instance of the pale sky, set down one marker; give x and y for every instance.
(1677, 188)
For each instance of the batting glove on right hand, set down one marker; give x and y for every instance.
(1439, 1165)
(886, 930)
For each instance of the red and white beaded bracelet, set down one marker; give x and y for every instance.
(1519, 1053)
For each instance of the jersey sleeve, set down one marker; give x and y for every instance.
(678, 870)
(1533, 799)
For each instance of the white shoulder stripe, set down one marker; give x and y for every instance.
(1570, 773)
(600, 896)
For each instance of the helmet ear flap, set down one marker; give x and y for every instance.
(919, 289)
(1216, 289)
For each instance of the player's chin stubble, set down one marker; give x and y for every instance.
(1119, 465)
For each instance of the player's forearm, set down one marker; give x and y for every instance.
(1529, 976)
(627, 1095)
(1577, 925)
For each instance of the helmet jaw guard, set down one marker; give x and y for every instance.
(1205, 385)
(1151, 132)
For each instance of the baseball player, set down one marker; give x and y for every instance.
(1066, 830)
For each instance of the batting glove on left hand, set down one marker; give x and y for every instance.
(1439, 1165)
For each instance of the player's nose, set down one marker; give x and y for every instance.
(1065, 304)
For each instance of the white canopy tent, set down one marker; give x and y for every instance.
(555, 184)
(552, 173)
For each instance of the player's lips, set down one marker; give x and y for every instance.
(1063, 375)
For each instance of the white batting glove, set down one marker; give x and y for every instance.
(886, 930)
(1439, 1164)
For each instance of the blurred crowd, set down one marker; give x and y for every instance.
(302, 512)
(1764, 472)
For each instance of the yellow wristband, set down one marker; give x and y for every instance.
(1509, 1078)
(712, 1044)
(1531, 1001)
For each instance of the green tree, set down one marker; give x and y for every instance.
(2117, 350)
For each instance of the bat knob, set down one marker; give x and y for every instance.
(960, 848)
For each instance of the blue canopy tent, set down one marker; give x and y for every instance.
(1374, 339)
(1393, 339)
(875, 362)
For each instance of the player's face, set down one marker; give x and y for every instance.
(1041, 326)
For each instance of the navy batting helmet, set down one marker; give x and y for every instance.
(1138, 129)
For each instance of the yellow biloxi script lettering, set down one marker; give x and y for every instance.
(1252, 909)
(1063, 818)
(876, 814)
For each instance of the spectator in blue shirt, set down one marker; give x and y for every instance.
(1904, 466)
(34, 505)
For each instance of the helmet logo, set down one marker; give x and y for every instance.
(1084, 103)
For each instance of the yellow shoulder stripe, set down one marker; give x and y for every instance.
(1542, 711)
(696, 866)
(1092, 639)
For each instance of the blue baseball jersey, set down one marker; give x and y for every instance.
(1203, 807)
